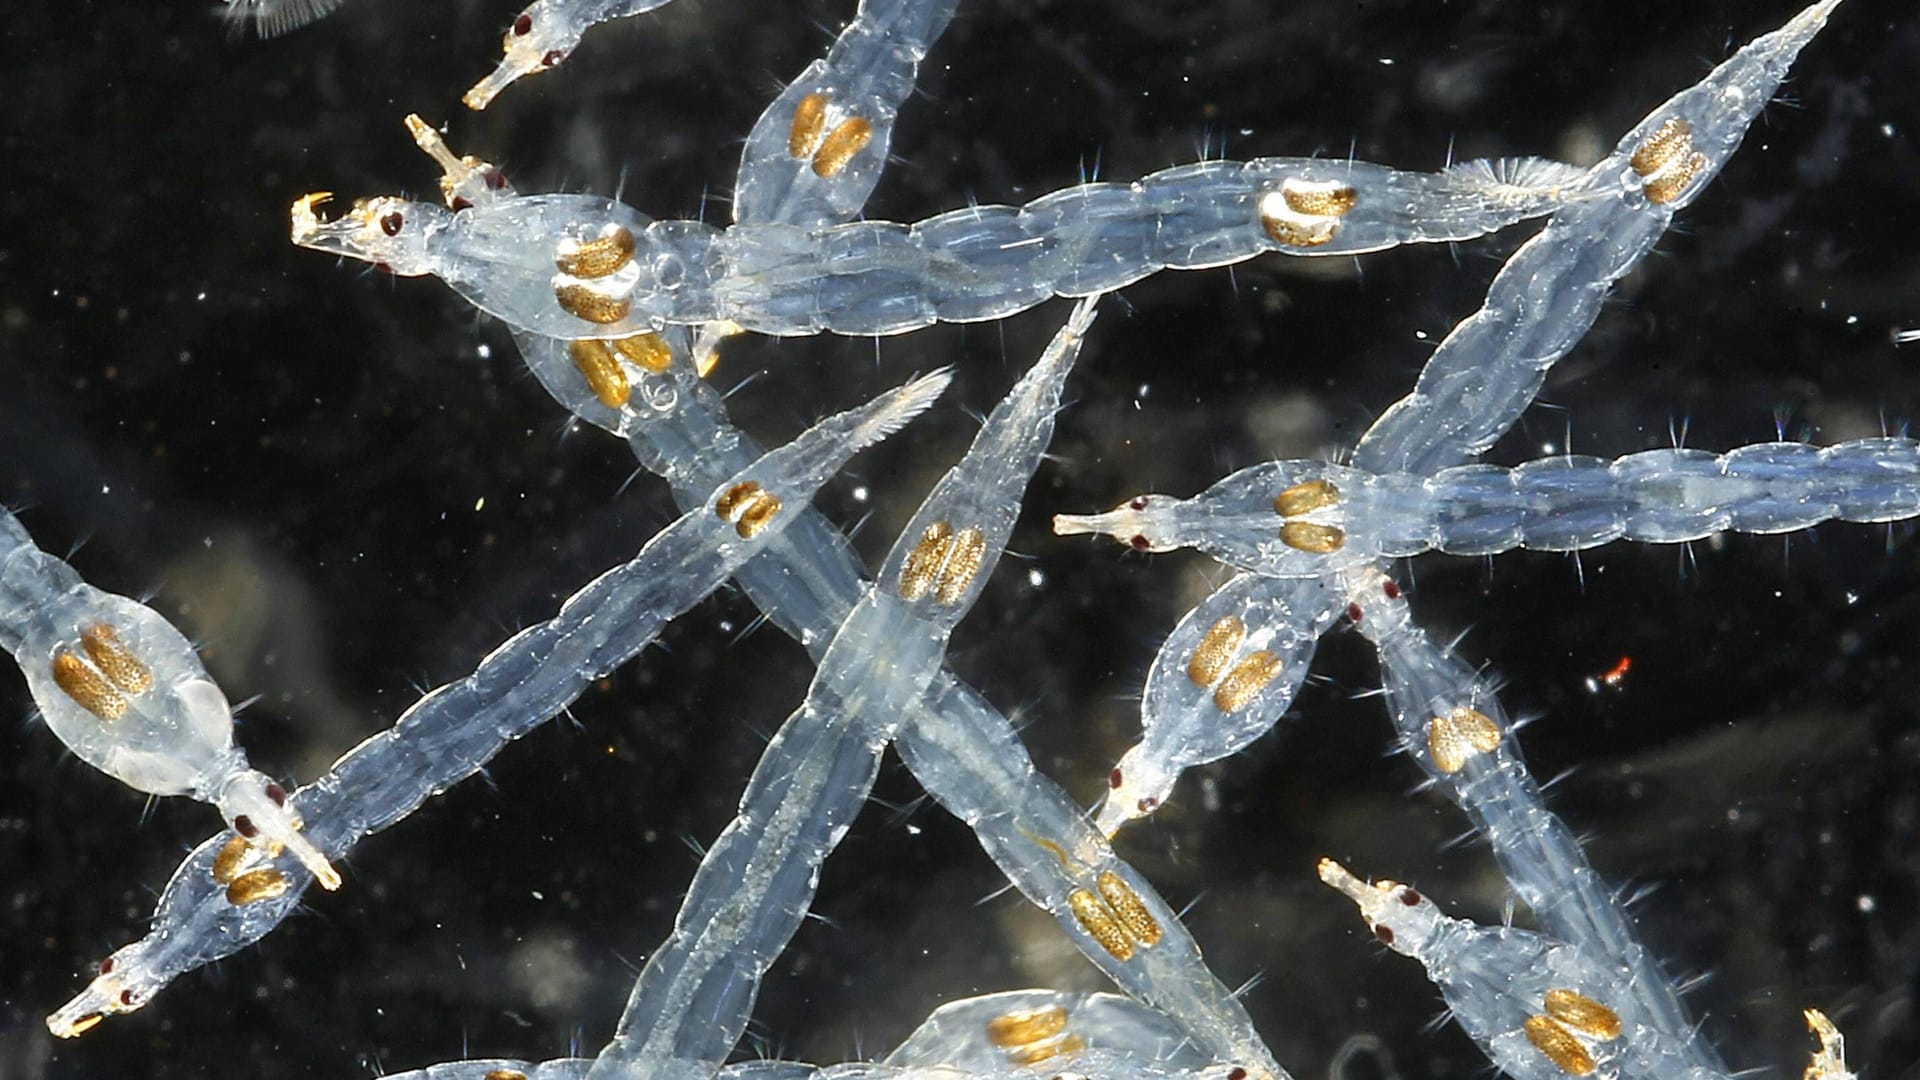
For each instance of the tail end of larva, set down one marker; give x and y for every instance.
(271, 18)
(893, 410)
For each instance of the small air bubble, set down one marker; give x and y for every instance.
(1036, 578)
(485, 352)
(860, 494)
(1866, 904)
(479, 504)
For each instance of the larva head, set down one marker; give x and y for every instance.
(387, 231)
(1143, 523)
(256, 808)
(1401, 918)
(1135, 788)
(124, 983)
(127, 693)
(539, 38)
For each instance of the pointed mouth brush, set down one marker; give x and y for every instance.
(1081, 524)
(504, 74)
(315, 862)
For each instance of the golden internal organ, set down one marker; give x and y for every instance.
(226, 865)
(1667, 161)
(1128, 908)
(1663, 147)
(598, 257)
(749, 506)
(602, 370)
(87, 687)
(1559, 1045)
(848, 138)
(1312, 538)
(943, 562)
(1458, 736)
(1582, 1013)
(809, 120)
(1306, 497)
(255, 886)
(756, 516)
(1100, 924)
(1021, 1028)
(1044, 1051)
(649, 352)
(1322, 198)
(1216, 648)
(1248, 677)
(595, 307)
(114, 661)
(964, 554)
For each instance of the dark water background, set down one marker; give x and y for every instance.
(292, 457)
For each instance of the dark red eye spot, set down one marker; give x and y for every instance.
(1147, 804)
(494, 178)
(126, 998)
(244, 825)
(1384, 934)
(523, 25)
(1113, 779)
(1139, 503)
(1237, 1074)
(460, 203)
(383, 268)
(277, 793)
(391, 222)
(553, 57)
(1410, 898)
(1139, 543)
(1392, 589)
(1353, 613)
(106, 965)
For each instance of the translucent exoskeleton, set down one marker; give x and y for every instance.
(1487, 371)
(1541, 1008)
(1031, 1027)
(206, 914)
(128, 694)
(693, 998)
(1223, 677)
(1451, 723)
(584, 266)
(1299, 519)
